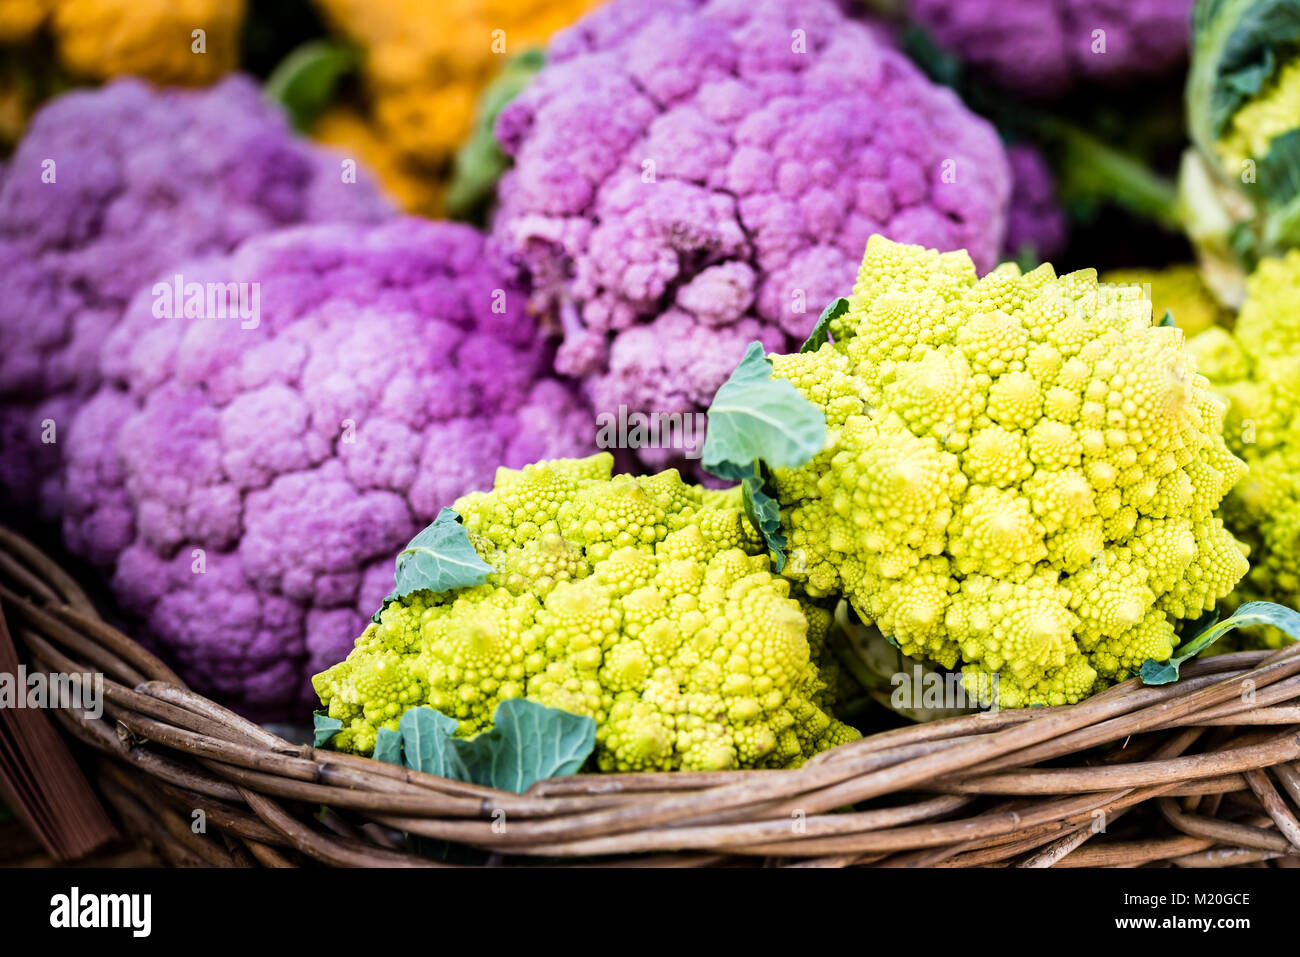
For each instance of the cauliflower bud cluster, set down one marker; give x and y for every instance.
(644, 603)
(692, 175)
(108, 189)
(248, 480)
(1021, 476)
(1257, 367)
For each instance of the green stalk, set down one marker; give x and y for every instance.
(1092, 172)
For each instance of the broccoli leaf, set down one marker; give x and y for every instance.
(821, 333)
(427, 743)
(1279, 168)
(1167, 319)
(1240, 42)
(756, 417)
(1244, 245)
(757, 423)
(527, 743)
(388, 746)
(1251, 613)
(764, 514)
(324, 728)
(439, 559)
(305, 81)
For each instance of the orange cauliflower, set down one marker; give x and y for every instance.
(99, 39)
(424, 67)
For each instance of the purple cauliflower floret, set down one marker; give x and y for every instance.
(108, 188)
(248, 482)
(691, 175)
(1042, 48)
(1036, 223)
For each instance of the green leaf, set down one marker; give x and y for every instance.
(821, 333)
(388, 746)
(388, 600)
(1091, 173)
(480, 161)
(439, 559)
(305, 81)
(1279, 168)
(757, 423)
(324, 728)
(755, 417)
(764, 513)
(527, 743)
(1251, 613)
(1245, 246)
(1167, 319)
(427, 743)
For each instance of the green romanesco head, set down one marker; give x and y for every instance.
(1021, 473)
(644, 603)
(1257, 368)
(1237, 199)
(1273, 112)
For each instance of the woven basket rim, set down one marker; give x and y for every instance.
(963, 791)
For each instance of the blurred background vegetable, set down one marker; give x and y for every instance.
(1257, 368)
(1036, 223)
(424, 68)
(185, 42)
(1240, 184)
(1110, 156)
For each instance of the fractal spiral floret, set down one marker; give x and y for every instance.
(1021, 473)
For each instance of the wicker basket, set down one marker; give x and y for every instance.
(1200, 773)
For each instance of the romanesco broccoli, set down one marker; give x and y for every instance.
(641, 602)
(1257, 367)
(1021, 473)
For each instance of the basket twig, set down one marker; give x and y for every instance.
(1204, 773)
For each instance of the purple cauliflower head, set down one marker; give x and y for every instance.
(1036, 223)
(108, 188)
(1041, 48)
(249, 480)
(692, 175)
